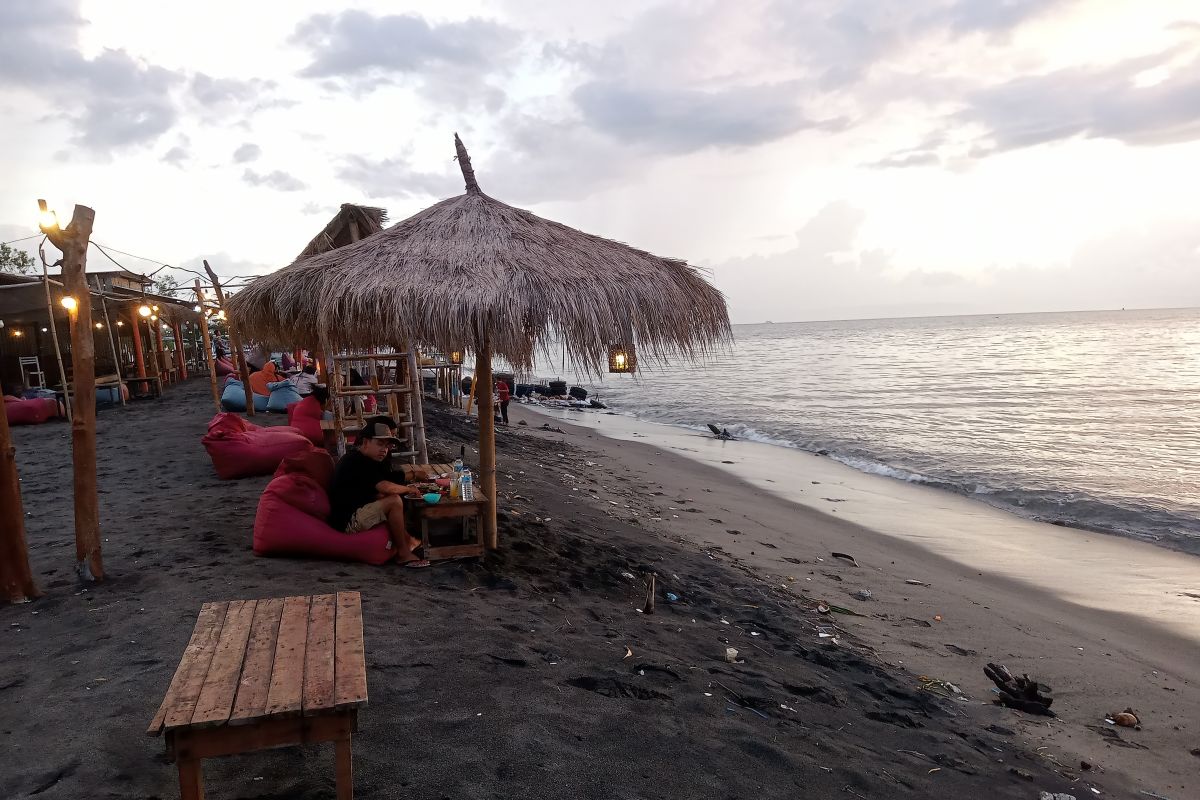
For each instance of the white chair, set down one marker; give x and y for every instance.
(31, 372)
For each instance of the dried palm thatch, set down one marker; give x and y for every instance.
(350, 224)
(473, 271)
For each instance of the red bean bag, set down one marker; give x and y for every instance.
(305, 416)
(292, 512)
(31, 411)
(224, 366)
(239, 449)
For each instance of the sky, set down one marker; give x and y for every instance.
(818, 159)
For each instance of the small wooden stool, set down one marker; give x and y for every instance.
(259, 674)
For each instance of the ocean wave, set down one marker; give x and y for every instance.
(1123, 516)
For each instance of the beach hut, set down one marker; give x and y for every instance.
(474, 272)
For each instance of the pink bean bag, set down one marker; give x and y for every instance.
(305, 416)
(32, 411)
(239, 449)
(292, 512)
(224, 367)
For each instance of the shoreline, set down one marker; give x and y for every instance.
(1101, 647)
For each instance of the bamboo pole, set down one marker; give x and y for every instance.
(73, 242)
(112, 343)
(487, 441)
(16, 578)
(62, 372)
(416, 397)
(235, 341)
(180, 353)
(334, 386)
(208, 353)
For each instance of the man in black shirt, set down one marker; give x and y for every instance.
(363, 495)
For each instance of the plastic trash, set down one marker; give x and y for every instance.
(731, 654)
(672, 597)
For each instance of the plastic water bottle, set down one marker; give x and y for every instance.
(468, 486)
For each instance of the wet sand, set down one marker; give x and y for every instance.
(1107, 622)
(511, 677)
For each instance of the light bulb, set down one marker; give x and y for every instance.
(144, 311)
(99, 325)
(69, 303)
(47, 219)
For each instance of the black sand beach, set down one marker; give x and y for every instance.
(487, 680)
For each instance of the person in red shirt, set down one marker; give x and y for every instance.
(502, 391)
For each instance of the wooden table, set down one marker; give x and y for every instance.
(465, 510)
(260, 674)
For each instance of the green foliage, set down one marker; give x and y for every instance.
(167, 286)
(15, 261)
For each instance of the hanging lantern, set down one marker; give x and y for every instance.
(621, 358)
(456, 357)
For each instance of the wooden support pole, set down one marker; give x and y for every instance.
(235, 342)
(139, 358)
(180, 353)
(112, 343)
(417, 410)
(16, 578)
(487, 441)
(62, 372)
(73, 242)
(208, 352)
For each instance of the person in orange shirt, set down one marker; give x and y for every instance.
(260, 379)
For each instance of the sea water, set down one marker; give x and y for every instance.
(1086, 419)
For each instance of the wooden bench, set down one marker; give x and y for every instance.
(259, 674)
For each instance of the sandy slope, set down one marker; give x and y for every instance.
(1096, 660)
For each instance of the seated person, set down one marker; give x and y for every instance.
(362, 494)
(306, 380)
(260, 379)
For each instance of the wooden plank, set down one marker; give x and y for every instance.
(318, 655)
(198, 743)
(255, 682)
(180, 700)
(454, 551)
(350, 653)
(286, 695)
(220, 685)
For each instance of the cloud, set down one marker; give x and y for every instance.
(247, 153)
(396, 178)
(177, 156)
(234, 95)
(276, 179)
(827, 274)
(451, 62)
(684, 120)
(1093, 103)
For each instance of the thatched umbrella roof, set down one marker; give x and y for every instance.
(472, 271)
(350, 224)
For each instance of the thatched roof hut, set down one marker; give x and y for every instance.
(470, 270)
(474, 272)
(349, 225)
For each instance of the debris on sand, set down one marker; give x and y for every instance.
(845, 557)
(721, 433)
(1125, 719)
(1023, 693)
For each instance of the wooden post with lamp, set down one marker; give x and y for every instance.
(235, 342)
(73, 242)
(208, 351)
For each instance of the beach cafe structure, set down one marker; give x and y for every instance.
(472, 273)
(160, 347)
